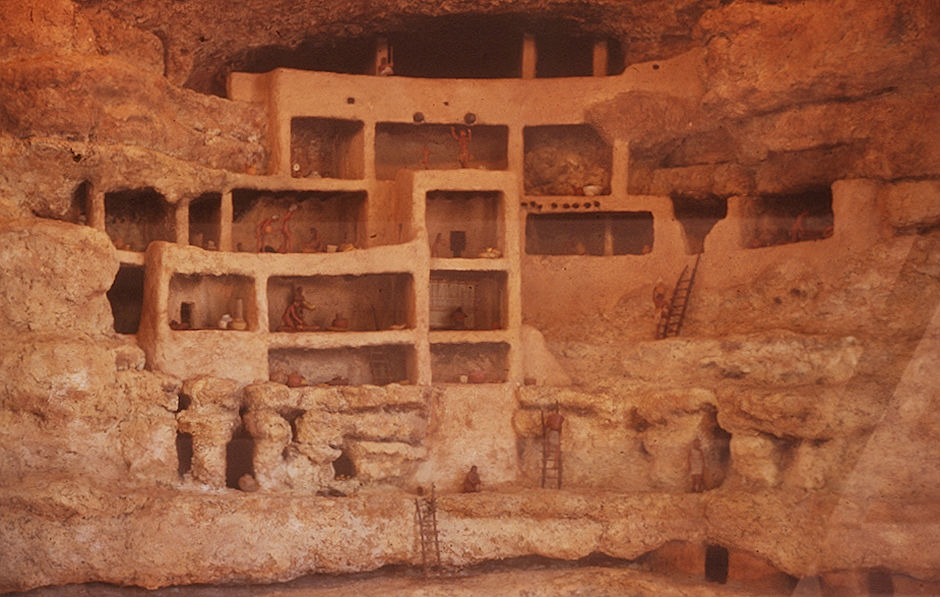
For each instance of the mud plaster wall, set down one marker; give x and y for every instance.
(817, 358)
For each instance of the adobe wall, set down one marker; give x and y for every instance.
(807, 369)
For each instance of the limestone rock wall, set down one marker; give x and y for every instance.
(821, 102)
(81, 90)
(74, 398)
(298, 433)
(807, 371)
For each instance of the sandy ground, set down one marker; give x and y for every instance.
(488, 580)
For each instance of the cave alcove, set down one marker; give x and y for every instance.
(593, 233)
(464, 46)
(204, 220)
(126, 297)
(698, 215)
(779, 219)
(239, 457)
(136, 217)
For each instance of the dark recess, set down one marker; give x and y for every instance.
(126, 296)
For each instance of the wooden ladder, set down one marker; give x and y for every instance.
(551, 459)
(426, 519)
(671, 322)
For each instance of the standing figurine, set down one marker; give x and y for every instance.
(553, 423)
(463, 145)
(659, 298)
(439, 247)
(797, 231)
(293, 318)
(287, 240)
(697, 466)
(426, 157)
(265, 227)
(472, 483)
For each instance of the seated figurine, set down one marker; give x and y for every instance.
(293, 318)
(472, 483)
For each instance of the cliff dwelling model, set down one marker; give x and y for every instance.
(633, 297)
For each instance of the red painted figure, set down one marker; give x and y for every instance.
(265, 227)
(552, 430)
(463, 144)
(426, 157)
(293, 318)
(287, 240)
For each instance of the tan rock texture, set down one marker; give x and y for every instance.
(807, 370)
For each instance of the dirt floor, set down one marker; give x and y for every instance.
(522, 579)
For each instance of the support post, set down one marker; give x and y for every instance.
(599, 63)
(182, 222)
(225, 221)
(95, 207)
(529, 56)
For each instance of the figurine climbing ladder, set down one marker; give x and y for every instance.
(671, 321)
(551, 457)
(426, 518)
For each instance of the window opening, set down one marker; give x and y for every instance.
(716, 564)
(595, 233)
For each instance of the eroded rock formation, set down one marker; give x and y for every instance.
(805, 366)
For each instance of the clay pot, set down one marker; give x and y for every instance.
(295, 380)
(477, 377)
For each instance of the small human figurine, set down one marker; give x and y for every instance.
(315, 245)
(287, 240)
(697, 466)
(293, 318)
(659, 298)
(463, 145)
(472, 483)
(265, 227)
(426, 157)
(386, 68)
(458, 318)
(552, 430)
(439, 247)
(797, 231)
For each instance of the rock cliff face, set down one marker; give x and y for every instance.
(808, 371)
